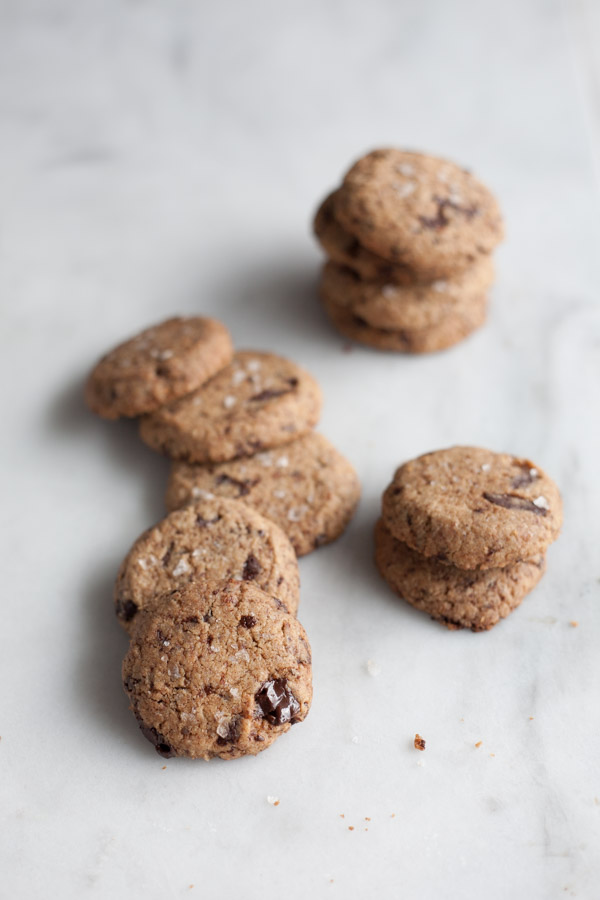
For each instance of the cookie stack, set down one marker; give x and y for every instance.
(464, 533)
(218, 664)
(409, 239)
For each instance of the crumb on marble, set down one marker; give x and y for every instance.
(274, 801)
(419, 742)
(350, 827)
(573, 623)
(479, 743)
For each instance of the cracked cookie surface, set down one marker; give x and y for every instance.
(457, 598)
(214, 539)
(425, 213)
(217, 670)
(473, 508)
(258, 402)
(306, 487)
(157, 366)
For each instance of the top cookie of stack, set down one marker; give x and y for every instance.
(409, 238)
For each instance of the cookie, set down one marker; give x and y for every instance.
(457, 324)
(414, 308)
(458, 598)
(258, 402)
(419, 211)
(473, 508)
(307, 488)
(213, 539)
(157, 366)
(217, 670)
(344, 249)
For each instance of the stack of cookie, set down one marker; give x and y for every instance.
(464, 532)
(409, 239)
(218, 664)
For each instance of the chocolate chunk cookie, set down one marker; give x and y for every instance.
(258, 402)
(457, 323)
(419, 211)
(344, 249)
(307, 488)
(217, 670)
(157, 366)
(473, 508)
(416, 307)
(213, 539)
(458, 598)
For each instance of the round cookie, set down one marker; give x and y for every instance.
(258, 402)
(345, 249)
(157, 366)
(473, 508)
(217, 670)
(415, 307)
(458, 598)
(420, 211)
(457, 324)
(307, 488)
(215, 539)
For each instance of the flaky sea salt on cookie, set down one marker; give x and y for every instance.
(160, 364)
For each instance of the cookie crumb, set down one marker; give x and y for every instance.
(367, 818)
(492, 754)
(274, 801)
(479, 743)
(350, 827)
(573, 624)
(393, 816)
(366, 829)
(373, 668)
(164, 767)
(531, 718)
(419, 742)
(342, 816)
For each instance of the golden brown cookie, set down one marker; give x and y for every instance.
(213, 539)
(457, 324)
(473, 508)
(419, 211)
(416, 307)
(258, 402)
(217, 670)
(458, 598)
(307, 488)
(345, 249)
(160, 364)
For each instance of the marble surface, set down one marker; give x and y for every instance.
(162, 158)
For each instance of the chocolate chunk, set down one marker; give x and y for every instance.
(130, 683)
(247, 621)
(252, 568)
(440, 220)
(511, 501)
(276, 702)
(191, 620)
(126, 609)
(270, 394)
(243, 487)
(527, 476)
(155, 737)
(231, 731)
(167, 556)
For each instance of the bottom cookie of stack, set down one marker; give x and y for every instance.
(417, 318)
(458, 598)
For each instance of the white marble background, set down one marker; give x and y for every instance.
(158, 158)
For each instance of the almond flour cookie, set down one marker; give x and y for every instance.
(457, 324)
(217, 670)
(415, 307)
(258, 402)
(458, 598)
(473, 508)
(307, 488)
(419, 211)
(158, 365)
(344, 249)
(215, 539)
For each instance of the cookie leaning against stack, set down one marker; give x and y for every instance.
(464, 532)
(409, 239)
